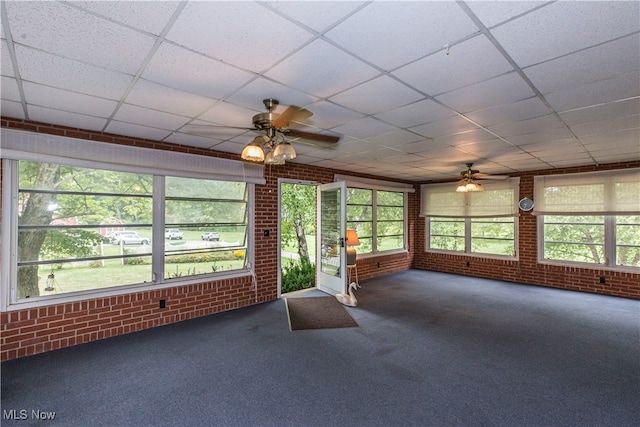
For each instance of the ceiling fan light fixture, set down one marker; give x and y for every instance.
(468, 186)
(270, 159)
(253, 153)
(462, 188)
(284, 151)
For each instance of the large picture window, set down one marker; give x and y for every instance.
(377, 211)
(481, 223)
(73, 227)
(589, 218)
(378, 217)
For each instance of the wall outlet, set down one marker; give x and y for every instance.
(163, 303)
(602, 279)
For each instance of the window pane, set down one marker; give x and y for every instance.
(446, 234)
(387, 198)
(205, 227)
(494, 236)
(359, 213)
(359, 196)
(84, 228)
(628, 240)
(388, 213)
(574, 238)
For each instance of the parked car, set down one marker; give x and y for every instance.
(211, 236)
(128, 238)
(173, 233)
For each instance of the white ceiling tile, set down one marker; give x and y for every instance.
(136, 131)
(612, 158)
(252, 95)
(524, 127)
(618, 88)
(192, 140)
(469, 62)
(71, 33)
(467, 137)
(587, 66)
(150, 16)
(447, 126)
(147, 117)
(608, 111)
(392, 94)
(10, 89)
(391, 34)
(203, 76)
(225, 113)
(617, 124)
(65, 100)
(262, 39)
(36, 66)
(513, 111)
(488, 149)
(12, 109)
(565, 27)
(363, 128)
(499, 90)
(414, 114)
(495, 12)
(314, 68)
(64, 118)
(6, 63)
(152, 95)
(318, 15)
(395, 138)
(327, 115)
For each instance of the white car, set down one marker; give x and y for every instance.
(173, 233)
(211, 236)
(128, 238)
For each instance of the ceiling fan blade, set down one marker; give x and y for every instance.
(310, 136)
(292, 113)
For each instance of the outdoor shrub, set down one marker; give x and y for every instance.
(299, 275)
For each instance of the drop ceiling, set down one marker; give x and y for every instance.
(414, 89)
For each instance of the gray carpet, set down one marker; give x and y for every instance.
(319, 312)
(432, 350)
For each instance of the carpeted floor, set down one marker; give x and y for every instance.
(432, 349)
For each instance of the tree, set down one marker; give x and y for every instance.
(35, 212)
(298, 207)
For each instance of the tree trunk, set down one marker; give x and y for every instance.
(303, 249)
(30, 241)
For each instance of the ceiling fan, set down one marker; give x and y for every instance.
(470, 178)
(277, 134)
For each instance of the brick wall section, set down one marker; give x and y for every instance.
(31, 331)
(527, 269)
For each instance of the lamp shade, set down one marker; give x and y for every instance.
(252, 152)
(352, 237)
(284, 151)
(270, 159)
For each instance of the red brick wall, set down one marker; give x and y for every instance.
(30, 331)
(527, 269)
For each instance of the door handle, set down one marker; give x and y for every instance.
(342, 242)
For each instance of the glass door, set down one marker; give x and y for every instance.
(330, 241)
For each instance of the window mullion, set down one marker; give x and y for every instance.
(157, 218)
(610, 240)
(374, 221)
(467, 235)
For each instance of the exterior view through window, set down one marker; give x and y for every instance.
(378, 218)
(80, 229)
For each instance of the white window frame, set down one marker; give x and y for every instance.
(608, 205)
(381, 185)
(23, 145)
(464, 209)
